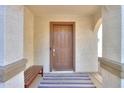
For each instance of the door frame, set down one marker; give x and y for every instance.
(73, 36)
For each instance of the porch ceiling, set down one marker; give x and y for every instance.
(83, 10)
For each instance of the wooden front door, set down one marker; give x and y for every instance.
(62, 46)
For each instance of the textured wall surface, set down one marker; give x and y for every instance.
(111, 42)
(86, 42)
(12, 38)
(112, 32)
(15, 82)
(1, 35)
(13, 33)
(28, 37)
(110, 80)
(122, 35)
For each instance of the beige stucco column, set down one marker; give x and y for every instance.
(111, 61)
(12, 62)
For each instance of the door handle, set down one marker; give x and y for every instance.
(54, 52)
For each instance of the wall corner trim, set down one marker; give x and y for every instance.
(10, 70)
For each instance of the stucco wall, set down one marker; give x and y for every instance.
(112, 32)
(28, 37)
(111, 42)
(122, 34)
(110, 80)
(13, 34)
(15, 82)
(1, 35)
(12, 38)
(86, 42)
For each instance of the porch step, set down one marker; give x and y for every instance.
(66, 86)
(66, 80)
(65, 75)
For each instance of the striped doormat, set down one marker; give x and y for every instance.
(66, 80)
